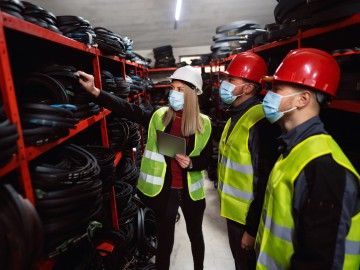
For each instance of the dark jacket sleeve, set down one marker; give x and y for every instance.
(122, 108)
(326, 197)
(263, 149)
(203, 161)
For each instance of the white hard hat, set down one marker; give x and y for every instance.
(190, 75)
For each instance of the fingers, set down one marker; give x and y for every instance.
(183, 164)
(183, 160)
(87, 77)
(84, 78)
(247, 241)
(245, 246)
(181, 157)
(84, 85)
(87, 82)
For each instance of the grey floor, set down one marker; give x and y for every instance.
(217, 252)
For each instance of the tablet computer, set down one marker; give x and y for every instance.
(170, 145)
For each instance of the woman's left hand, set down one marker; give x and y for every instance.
(247, 241)
(184, 161)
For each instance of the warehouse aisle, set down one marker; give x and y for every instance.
(217, 250)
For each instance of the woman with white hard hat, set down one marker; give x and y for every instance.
(166, 183)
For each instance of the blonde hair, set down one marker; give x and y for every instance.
(191, 121)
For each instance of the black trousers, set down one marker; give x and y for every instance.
(166, 206)
(244, 259)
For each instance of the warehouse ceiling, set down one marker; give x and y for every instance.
(150, 23)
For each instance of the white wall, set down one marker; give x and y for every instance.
(177, 52)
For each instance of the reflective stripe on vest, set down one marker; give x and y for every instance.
(150, 179)
(197, 185)
(153, 164)
(232, 165)
(352, 247)
(274, 241)
(153, 156)
(235, 170)
(278, 230)
(268, 262)
(227, 189)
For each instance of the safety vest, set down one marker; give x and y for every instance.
(153, 165)
(274, 241)
(235, 170)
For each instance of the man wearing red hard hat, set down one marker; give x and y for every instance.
(246, 155)
(311, 213)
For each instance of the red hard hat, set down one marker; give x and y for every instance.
(310, 67)
(247, 65)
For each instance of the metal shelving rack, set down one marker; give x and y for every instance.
(326, 37)
(20, 161)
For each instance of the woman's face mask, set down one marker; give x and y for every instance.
(176, 100)
(226, 92)
(271, 105)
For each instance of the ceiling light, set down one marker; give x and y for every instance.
(178, 10)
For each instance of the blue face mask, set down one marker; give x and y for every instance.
(226, 92)
(176, 100)
(271, 104)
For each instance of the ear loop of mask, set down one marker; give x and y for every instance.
(243, 93)
(291, 95)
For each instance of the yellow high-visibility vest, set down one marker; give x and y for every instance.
(276, 229)
(153, 165)
(235, 170)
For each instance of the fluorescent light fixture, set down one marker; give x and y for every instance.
(178, 10)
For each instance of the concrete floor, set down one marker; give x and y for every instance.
(217, 250)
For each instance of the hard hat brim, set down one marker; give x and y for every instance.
(268, 79)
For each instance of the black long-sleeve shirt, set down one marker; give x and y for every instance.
(134, 113)
(326, 196)
(263, 150)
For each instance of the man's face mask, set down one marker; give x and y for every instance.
(226, 92)
(271, 104)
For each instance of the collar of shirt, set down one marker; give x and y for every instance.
(301, 132)
(179, 113)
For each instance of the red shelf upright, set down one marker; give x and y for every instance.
(105, 142)
(11, 108)
(20, 161)
(118, 157)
